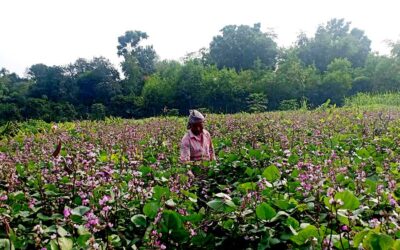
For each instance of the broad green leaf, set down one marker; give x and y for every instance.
(6, 244)
(245, 187)
(378, 241)
(151, 209)
(305, 235)
(343, 219)
(82, 240)
(249, 171)
(54, 245)
(115, 240)
(228, 224)
(195, 217)
(265, 211)
(83, 230)
(161, 192)
(271, 173)
(343, 244)
(349, 199)
(43, 217)
(217, 204)
(62, 232)
(172, 224)
(172, 220)
(81, 210)
(396, 244)
(18, 196)
(290, 221)
(139, 220)
(359, 238)
(65, 243)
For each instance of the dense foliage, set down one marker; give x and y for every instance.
(318, 179)
(243, 69)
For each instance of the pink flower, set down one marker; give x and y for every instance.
(106, 208)
(3, 197)
(104, 200)
(163, 247)
(67, 212)
(31, 204)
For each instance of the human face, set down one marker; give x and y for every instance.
(197, 128)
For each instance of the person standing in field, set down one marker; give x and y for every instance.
(196, 144)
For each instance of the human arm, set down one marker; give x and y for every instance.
(185, 150)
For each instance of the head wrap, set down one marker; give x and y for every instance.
(194, 117)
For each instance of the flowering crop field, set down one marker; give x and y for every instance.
(285, 180)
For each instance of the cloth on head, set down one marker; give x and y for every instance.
(195, 116)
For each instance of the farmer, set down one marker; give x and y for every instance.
(196, 145)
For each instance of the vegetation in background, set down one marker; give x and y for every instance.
(243, 69)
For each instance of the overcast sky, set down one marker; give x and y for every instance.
(57, 32)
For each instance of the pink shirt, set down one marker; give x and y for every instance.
(197, 148)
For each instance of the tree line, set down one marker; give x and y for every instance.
(243, 69)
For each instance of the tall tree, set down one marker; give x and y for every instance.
(240, 46)
(49, 82)
(98, 81)
(334, 40)
(138, 61)
(337, 82)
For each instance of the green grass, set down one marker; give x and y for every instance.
(374, 99)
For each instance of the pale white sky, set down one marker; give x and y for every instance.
(57, 32)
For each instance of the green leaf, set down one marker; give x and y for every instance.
(349, 199)
(65, 243)
(271, 173)
(217, 204)
(396, 244)
(115, 240)
(284, 204)
(77, 219)
(54, 245)
(343, 219)
(173, 225)
(160, 192)
(18, 196)
(228, 224)
(43, 217)
(82, 240)
(290, 221)
(6, 244)
(249, 171)
(293, 159)
(139, 220)
(194, 218)
(51, 229)
(83, 230)
(245, 187)
(80, 211)
(359, 237)
(62, 232)
(378, 241)
(151, 209)
(363, 153)
(172, 220)
(338, 244)
(265, 211)
(305, 235)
